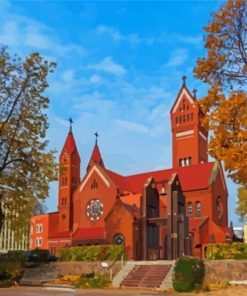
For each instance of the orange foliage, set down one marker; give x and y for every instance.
(225, 70)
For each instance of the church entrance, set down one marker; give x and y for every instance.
(163, 237)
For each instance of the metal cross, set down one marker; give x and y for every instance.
(184, 79)
(96, 137)
(70, 124)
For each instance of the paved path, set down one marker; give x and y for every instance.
(26, 291)
(37, 291)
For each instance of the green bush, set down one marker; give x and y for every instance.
(226, 251)
(38, 255)
(93, 281)
(92, 253)
(188, 274)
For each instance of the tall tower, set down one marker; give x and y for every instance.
(189, 138)
(69, 178)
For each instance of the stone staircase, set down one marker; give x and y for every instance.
(145, 274)
(37, 276)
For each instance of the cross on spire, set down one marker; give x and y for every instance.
(96, 137)
(70, 124)
(194, 92)
(184, 79)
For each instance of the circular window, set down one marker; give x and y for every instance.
(219, 204)
(118, 239)
(94, 209)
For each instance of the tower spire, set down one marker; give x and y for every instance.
(70, 124)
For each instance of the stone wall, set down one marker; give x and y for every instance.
(80, 267)
(225, 270)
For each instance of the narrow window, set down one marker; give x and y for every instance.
(180, 119)
(176, 120)
(184, 105)
(185, 161)
(188, 117)
(198, 209)
(189, 209)
(180, 162)
(184, 117)
(190, 160)
(191, 116)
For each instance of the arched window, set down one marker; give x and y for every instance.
(118, 239)
(191, 116)
(180, 162)
(219, 205)
(189, 209)
(198, 209)
(188, 117)
(190, 160)
(180, 119)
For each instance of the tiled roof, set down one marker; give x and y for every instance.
(88, 233)
(192, 177)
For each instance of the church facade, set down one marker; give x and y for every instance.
(157, 215)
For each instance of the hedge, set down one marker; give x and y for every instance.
(92, 253)
(226, 251)
(188, 274)
(11, 267)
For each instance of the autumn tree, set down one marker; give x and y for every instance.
(26, 165)
(225, 70)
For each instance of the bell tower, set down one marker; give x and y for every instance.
(69, 178)
(189, 138)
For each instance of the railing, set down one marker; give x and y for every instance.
(109, 267)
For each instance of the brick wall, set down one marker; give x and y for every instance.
(76, 267)
(225, 270)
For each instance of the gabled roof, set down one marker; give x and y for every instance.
(183, 92)
(95, 157)
(191, 177)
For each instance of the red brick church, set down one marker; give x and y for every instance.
(157, 215)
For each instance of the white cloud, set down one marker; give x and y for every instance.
(109, 66)
(24, 33)
(136, 127)
(68, 75)
(133, 38)
(112, 32)
(178, 57)
(95, 79)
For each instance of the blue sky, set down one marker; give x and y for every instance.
(119, 71)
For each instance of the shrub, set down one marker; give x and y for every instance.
(92, 281)
(38, 255)
(188, 274)
(92, 253)
(226, 251)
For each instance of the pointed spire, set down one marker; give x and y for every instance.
(96, 155)
(69, 144)
(184, 80)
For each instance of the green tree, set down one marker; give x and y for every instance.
(26, 165)
(225, 70)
